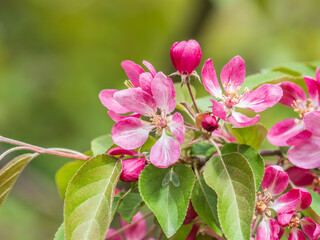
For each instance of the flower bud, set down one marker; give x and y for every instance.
(131, 169)
(209, 123)
(185, 56)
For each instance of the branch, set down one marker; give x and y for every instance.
(40, 150)
(270, 153)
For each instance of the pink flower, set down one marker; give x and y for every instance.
(131, 167)
(209, 123)
(185, 56)
(305, 152)
(131, 132)
(290, 131)
(232, 77)
(304, 178)
(274, 182)
(136, 232)
(137, 78)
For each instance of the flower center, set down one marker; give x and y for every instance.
(262, 203)
(294, 222)
(302, 107)
(158, 121)
(232, 96)
(316, 184)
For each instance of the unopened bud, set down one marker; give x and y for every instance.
(209, 123)
(185, 56)
(191, 214)
(131, 169)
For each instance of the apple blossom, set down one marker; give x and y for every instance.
(232, 77)
(131, 132)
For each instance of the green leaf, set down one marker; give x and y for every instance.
(253, 135)
(65, 174)
(202, 149)
(129, 206)
(169, 203)
(182, 95)
(182, 233)
(10, 173)
(314, 209)
(204, 201)
(148, 144)
(101, 144)
(231, 176)
(88, 202)
(204, 103)
(60, 233)
(253, 157)
(295, 69)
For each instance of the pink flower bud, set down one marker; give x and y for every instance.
(185, 56)
(209, 123)
(131, 169)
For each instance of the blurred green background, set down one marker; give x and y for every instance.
(56, 56)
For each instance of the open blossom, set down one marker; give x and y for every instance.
(137, 78)
(185, 56)
(132, 132)
(225, 104)
(274, 182)
(305, 152)
(288, 130)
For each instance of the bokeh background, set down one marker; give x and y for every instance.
(56, 56)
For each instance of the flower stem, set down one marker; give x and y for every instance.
(191, 95)
(128, 226)
(270, 153)
(193, 142)
(40, 150)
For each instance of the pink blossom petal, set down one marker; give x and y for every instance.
(284, 130)
(299, 138)
(121, 151)
(116, 117)
(310, 228)
(136, 100)
(233, 73)
(137, 231)
(240, 120)
(291, 92)
(314, 91)
(106, 98)
(287, 202)
(300, 177)
(145, 80)
(285, 218)
(130, 133)
(163, 92)
(305, 199)
(210, 80)
(262, 98)
(218, 109)
(306, 155)
(150, 67)
(268, 230)
(133, 71)
(275, 180)
(176, 54)
(131, 169)
(312, 122)
(177, 127)
(165, 152)
(112, 231)
(191, 56)
(296, 234)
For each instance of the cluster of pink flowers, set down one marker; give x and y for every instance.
(285, 208)
(150, 100)
(302, 133)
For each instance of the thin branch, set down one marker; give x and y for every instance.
(270, 153)
(41, 150)
(191, 95)
(193, 142)
(150, 232)
(190, 111)
(128, 226)
(160, 234)
(13, 150)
